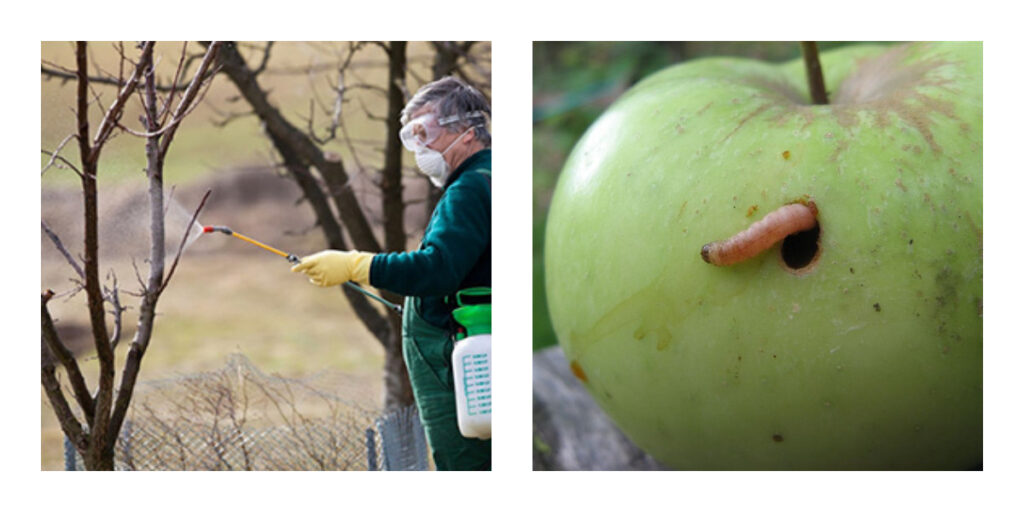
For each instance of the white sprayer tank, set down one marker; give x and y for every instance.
(471, 366)
(471, 361)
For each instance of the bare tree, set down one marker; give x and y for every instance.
(94, 428)
(326, 183)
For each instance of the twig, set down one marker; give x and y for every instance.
(60, 247)
(177, 74)
(190, 94)
(115, 300)
(64, 75)
(266, 57)
(138, 277)
(55, 155)
(184, 239)
(371, 115)
(66, 163)
(114, 112)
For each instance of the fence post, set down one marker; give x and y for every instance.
(69, 455)
(125, 445)
(371, 451)
(403, 443)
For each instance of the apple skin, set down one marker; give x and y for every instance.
(871, 357)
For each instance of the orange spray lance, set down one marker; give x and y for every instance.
(294, 260)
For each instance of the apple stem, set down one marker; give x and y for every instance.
(815, 80)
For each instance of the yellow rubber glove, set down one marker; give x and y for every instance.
(331, 268)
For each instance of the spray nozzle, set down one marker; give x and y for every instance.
(221, 229)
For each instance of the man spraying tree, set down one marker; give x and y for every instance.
(445, 124)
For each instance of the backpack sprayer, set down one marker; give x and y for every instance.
(293, 259)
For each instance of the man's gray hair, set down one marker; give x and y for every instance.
(457, 105)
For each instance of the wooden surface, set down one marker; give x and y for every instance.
(570, 431)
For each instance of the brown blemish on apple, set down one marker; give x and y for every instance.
(785, 155)
(777, 438)
(758, 111)
(577, 370)
(841, 146)
(664, 338)
(752, 210)
(977, 232)
(888, 86)
(884, 88)
(682, 208)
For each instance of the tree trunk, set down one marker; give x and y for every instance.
(391, 176)
(396, 381)
(300, 152)
(397, 388)
(95, 440)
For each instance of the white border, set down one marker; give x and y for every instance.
(512, 26)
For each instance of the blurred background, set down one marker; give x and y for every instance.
(573, 82)
(227, 297)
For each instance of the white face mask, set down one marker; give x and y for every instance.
(432, 162)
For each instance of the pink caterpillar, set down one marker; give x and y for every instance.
(777, 225)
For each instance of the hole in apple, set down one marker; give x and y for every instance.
(801, 250)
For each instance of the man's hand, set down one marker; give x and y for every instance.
(331, 268)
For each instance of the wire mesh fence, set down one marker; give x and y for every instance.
(239, 418)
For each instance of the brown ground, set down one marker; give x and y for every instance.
(226, 296)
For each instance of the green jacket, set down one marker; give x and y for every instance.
(456, 249)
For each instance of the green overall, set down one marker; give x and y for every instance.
(428, 351)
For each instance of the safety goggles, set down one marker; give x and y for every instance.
(425, 129)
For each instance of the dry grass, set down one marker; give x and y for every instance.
(225, 297)
(222, 304)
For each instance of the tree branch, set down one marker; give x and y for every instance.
(60, 247)
(55, 155)
(51, 341)
(190, 95)
(266, 58)
(68, 423)
(64, 76)
(94, 296)
(305, 151)
(391, 176)
(113, 297)
(166, 110)
(184, 238)
(113, 113)
(154, 285)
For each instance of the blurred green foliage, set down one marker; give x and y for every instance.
(573, 82)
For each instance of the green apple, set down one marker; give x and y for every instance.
(867, 354)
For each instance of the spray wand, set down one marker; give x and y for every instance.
(293, 259)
